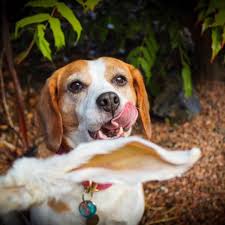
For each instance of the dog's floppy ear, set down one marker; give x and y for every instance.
(49, 114)
(142, 100)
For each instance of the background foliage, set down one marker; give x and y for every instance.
(155, 36)
(212, 16)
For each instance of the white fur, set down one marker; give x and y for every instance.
(35, 180)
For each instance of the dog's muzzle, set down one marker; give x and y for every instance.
(109, 102)
(119, 126)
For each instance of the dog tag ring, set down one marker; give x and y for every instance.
(87, 208)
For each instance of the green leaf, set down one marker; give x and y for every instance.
(147, 55)
(219, 18)
(216, 42)
(68, 14)
(133, 55)
(88, 4)
(42, 3)
(206, 24)
(42, 43)
(223, 37)
(38, 18)
(186, 77)
(57, 32)
(146, 68)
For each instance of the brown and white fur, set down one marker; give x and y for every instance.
(68, 114)
(67, 117)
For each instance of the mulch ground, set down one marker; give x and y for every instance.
(198, 197)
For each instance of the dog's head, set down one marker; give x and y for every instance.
(92, 99)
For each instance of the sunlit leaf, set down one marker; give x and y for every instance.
(186, 77)
(57, 32)
(38, 18)
(216, 42)
(69, 15)
(88, 4)
(42, 3)
(42, 43)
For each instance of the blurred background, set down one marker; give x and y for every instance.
(179, 48)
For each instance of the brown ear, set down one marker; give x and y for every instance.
(49, 114)
(142, 100)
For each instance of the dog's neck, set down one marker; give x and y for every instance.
(73, 139)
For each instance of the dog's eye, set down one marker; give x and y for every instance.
(120, 80)
(76, 86)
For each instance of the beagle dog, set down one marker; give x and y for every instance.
(79, 100)
(76, 105)
(87, 106)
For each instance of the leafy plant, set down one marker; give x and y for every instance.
(40, 21)
(88, 4)
(212, 16)
(144, 56)
(177, 40)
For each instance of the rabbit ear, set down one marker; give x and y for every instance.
(126, 160)
(134, 160)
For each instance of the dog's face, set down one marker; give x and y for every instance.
(92, 99)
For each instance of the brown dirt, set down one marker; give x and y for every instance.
(199, 196)
(196, 198)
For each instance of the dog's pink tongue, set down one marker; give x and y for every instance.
(125, 119)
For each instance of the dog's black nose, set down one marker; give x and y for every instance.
(108, 101)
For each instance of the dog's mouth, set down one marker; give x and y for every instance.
(104, 133)
(119, 126)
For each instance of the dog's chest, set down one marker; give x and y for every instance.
(119, 204)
